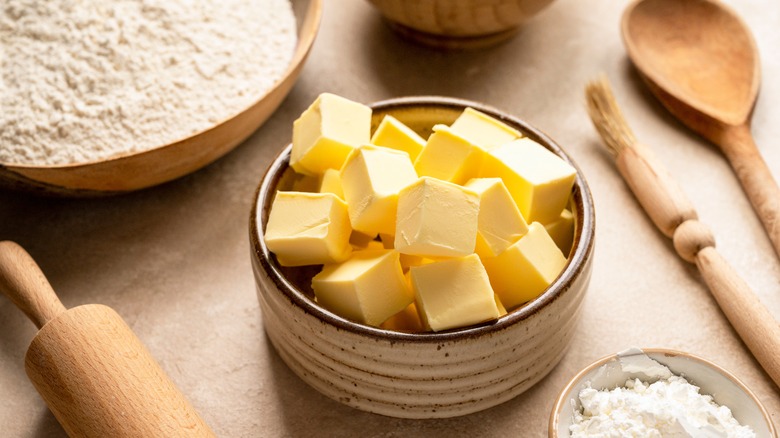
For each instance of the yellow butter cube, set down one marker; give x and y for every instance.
(540, 182)
(523, 272)
(499, 305)
(436, 219)
(327, 132)
(388, 240)
(360, 240)
(371, 178)
(453, 293)
(391, 133)
(331, 183)
(374, 244)
(483, 130)
(308, 229)
(562, 231)
(500, 221)
(407, 260)
(449, 156)
(406, 320)
(368, 288)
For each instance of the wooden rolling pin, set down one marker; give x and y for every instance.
(673, 214)
(89, 367)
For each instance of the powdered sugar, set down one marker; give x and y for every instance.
(670, 407)
(86, 80)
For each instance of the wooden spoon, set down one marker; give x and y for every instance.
(700, 60)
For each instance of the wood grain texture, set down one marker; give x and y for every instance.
(90, 369)
(99, 380)
(167, 162)
(25, 285)
(699, 58)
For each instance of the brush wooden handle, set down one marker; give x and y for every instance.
(92, 371)
(672, 212)
(25, 285)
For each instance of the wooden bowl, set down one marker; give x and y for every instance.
(723, 386)
(139, 170)
(423, 375)
(458, 24)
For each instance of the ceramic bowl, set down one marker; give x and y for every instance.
(133, 171)
(422, 375)
(713, 380)
(456, 24)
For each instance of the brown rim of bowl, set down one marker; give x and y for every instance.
(562, 398)
(299, 55)
(581, 251)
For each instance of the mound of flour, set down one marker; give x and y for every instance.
(90, 79)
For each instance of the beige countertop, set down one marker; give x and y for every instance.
(174, 260)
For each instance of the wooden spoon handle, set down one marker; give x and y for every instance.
(671, 211)
(22, 281)
(756, 179)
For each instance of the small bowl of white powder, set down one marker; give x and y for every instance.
(657, 393)
(108, 97)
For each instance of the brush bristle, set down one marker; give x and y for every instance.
(607, 117)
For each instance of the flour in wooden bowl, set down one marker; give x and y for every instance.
(89, 80)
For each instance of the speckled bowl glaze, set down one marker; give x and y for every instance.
(723, 386)
(422, 375)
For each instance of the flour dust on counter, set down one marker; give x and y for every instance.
(89, 80)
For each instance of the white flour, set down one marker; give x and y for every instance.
(90, 79)
(667, 408)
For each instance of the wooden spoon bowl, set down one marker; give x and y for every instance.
(164, 163)
(699, 58)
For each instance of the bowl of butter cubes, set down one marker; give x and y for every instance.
(420, 257)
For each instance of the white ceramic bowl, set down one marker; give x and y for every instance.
(424, 375)
(713, 380)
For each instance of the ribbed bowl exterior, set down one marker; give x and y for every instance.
(462, 18)
(427, 375)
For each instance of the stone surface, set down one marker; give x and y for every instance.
(174, 260)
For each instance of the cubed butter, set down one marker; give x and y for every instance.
(368, 288)
(436, 219)
(374, 244)
(525, 269)
(331, 183)
(391, 133)
(326, 133)
(499, 305)
(562, 231)
(371, 178)
(360, 240)
(406, 320)
(388, 240)
(540, 182)
(500, 222)
(308, 229)
(449, 156)
(453, 293)
(483, 130)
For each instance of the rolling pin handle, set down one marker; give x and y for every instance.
(22, 281)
